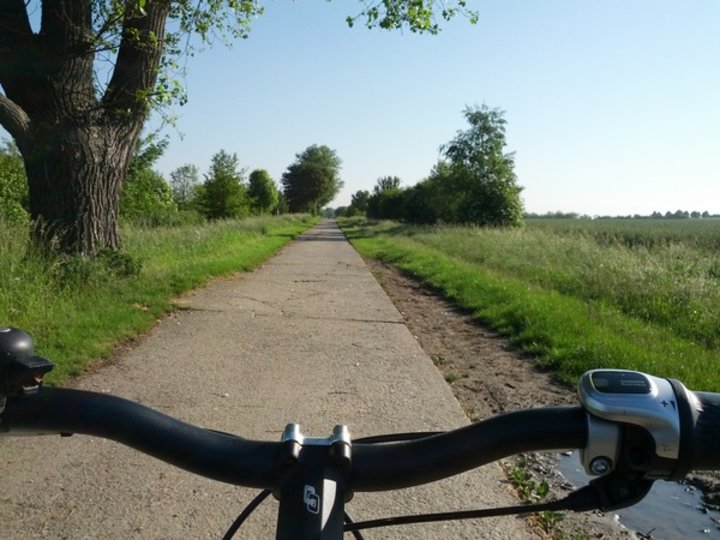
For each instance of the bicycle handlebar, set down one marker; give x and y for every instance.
(705, 453)
(375, 467)
(400, 465)
(665, 429)
(213, 454)
(235, 460)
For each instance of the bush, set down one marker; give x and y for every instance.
(146, 197)
(223, 195)
(422, 204)
(262, 192)
(481, 174)
(391, 204)
(77, 271)
(14, 198)
(476, 182)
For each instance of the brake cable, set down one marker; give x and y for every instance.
(608, 492)
(454, 516)
(249, 509)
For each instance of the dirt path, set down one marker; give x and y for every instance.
(487, 377)
(310, 337)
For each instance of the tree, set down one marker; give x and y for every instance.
(262, 192)
(312, 180)
(146, 196)
(224, 195)
(392, 204)
(77, 134)
(13, 185)
(282, 205)
(386, 182)
(481, 173)
(359, 201)
(184, 181)
(679, 214)
(76, 138)
(386, 202)
(422, 203)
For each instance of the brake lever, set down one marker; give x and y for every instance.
(610, 492)
(21, 371)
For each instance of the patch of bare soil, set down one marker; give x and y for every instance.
(488, 377)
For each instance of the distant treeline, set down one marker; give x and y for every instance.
(225, 191)
(678, 214)
(397, 204)
(474, 182)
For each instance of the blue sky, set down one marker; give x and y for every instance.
(613, 106)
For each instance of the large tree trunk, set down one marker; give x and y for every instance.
(75, 176)
(76, 145)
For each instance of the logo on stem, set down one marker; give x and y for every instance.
(311, 500)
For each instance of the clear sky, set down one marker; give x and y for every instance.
(613, 106)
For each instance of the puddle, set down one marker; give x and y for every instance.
(670, 510)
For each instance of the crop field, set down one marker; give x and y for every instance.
(578, 294)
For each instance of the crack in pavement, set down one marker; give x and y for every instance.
(290, 314)
(305, 316)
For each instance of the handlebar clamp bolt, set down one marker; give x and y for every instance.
(601, 465)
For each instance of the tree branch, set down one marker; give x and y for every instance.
(14, 119)
(67, 24)
(14, 22)
(15, 32)
(138, 59)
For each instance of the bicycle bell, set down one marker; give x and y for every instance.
(13, 343)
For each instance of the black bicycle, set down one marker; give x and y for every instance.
(632, 429)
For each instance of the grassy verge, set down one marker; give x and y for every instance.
(674, 283)
(566, 331)
(78, 310)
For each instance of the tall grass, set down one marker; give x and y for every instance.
(672, 284)
(571, 297)
(649, 233)
(77, 309)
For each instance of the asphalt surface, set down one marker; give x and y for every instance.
(310, 337)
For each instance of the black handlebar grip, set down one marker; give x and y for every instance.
(706, 433)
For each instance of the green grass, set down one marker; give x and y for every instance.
(571, 298)
(78, 310)
(675, 284)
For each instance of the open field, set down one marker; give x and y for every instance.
(575, 294)
(78, 310)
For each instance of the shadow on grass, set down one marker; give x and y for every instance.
(373, 229)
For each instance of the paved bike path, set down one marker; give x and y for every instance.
(310, 337)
